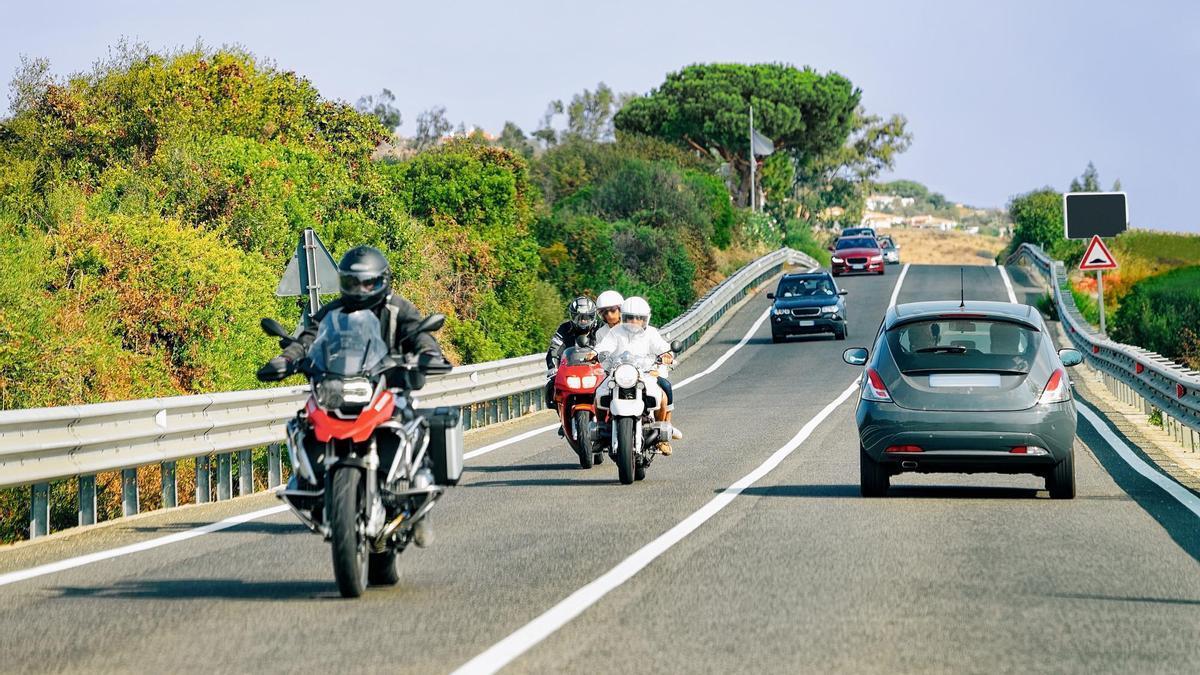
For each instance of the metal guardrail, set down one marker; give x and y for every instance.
(47, 444)
(1159, 382)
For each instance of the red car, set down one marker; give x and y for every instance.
(856, 255)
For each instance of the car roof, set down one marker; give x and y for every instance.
(975, 309)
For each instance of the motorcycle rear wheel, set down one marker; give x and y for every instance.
(625, 455)
(349, 546)
(583, 446)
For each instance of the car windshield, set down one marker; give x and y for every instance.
(856, 242)
(347, 344)
(954, 344)
(814, 287)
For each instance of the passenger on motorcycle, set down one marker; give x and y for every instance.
(582, 323)
(636, 335)
(609, 311)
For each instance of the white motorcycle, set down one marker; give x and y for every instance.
(627, 400)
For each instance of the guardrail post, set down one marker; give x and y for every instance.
(245, 473)
(274, 474)
(87, 500)
(203, 482)
(39, 510)
(170, 493)
(129, 492)
(224, 476)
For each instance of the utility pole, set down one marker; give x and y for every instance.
(752, 158)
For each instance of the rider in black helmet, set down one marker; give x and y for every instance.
(366, 283)
(582, 322)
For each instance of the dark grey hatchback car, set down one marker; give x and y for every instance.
(970, 388)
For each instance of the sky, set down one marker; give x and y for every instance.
(1001, 97)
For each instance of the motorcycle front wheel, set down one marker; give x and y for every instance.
(626, 459)
(350, 554)
(582, 445)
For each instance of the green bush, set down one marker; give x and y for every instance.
(1162, 314)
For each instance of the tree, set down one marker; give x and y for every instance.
(431, 126)
(706, 107)
(381, 107)
(512, 138)
(1037, 218)
(546, 132)
(1088, 182)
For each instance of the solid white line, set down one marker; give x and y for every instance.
(503, 652)
(508, 441)
(896, 290)
(1180, 493)
(1012, 297)
(70, 563)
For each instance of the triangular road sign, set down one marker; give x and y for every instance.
(1097, 257)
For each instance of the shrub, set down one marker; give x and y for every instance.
(1162, 314)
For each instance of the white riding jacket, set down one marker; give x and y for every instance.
(645, 342)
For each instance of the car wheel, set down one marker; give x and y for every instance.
(1060, 482)
(873, 476)
(841, 333)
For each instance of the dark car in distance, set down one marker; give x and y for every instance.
(856, 255)
(974, 387)
(807, 303)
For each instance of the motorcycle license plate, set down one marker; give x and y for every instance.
(858, 267)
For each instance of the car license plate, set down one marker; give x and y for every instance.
(806, 323)
(990, 380)
(858, 267)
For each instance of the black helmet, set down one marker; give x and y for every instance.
(583, 313)
(365, 276)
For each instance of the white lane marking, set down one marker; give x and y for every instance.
(899, 282)
(503, 652)
(79, 561)
(508, 441)
(1012, 297)
(1180, 493)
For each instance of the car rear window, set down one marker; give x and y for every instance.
(956, 344)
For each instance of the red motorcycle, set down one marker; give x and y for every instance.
(575, 386)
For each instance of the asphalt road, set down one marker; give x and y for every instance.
(796, 574)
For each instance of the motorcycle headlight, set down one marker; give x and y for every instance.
(625, 375)
(573, 381)
(357, 391)
(837, 259)
(589, 381)
(829, 309)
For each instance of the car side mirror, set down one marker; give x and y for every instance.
(1070, 357)
(829, 248)
(770, 296)
(843, 291)
(856, 356)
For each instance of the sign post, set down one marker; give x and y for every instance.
(1092, 215)
(311, 273)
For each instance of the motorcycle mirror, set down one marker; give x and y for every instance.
(676, 346)
(431, 323)
(271, 327)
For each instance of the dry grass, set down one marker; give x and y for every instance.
(945, 248)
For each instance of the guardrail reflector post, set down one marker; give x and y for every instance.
(39, 510)
(224, 476)
(245, 473)
(87, 500)
(170, 493)
(129, 492)
(203, 482)
(274, 475)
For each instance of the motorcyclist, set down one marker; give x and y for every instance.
(636, 335)
(609, 311)
(365, 276)
(582, 323)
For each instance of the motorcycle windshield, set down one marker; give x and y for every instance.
(348, 344)
(639, 361)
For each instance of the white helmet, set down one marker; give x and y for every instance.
(609, 299)
(635, 308)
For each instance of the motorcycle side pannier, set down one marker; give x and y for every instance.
(445, 443)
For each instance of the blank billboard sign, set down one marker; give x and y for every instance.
(1105, 214)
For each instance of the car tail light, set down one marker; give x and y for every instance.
(1029, 450)
(905, 448)
(1020, 450)
(1058, 388)
(873, 387)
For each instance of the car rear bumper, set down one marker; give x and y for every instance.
(967, 442)
(786, 324)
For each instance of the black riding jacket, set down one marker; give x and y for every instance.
(398, 317)
(565, 337)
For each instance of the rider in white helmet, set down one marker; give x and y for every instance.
(636, 335)
(609, 310)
